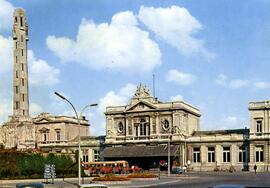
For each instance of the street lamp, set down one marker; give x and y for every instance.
(79, 131)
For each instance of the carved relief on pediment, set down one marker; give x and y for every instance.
(44, 129)
(141, 106)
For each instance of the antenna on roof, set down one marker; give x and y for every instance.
(154, 92)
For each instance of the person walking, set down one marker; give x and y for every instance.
(255, 168)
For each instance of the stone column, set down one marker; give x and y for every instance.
(218, 154)
(252, 151)
(203, 154)
(157, 124)
(234, 154)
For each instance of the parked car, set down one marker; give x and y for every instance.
(177, 170)
(229, 186)
(93, 186)
(29, 185)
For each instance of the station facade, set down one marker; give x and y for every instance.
(146, 131)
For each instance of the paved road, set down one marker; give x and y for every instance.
(194, 180)
(210, 179)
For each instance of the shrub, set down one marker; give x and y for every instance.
(142, 175)
(111, 178)
(216, 169)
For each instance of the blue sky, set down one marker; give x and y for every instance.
(211, 54)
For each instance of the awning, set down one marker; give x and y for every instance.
(139, 151)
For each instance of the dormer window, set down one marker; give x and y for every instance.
(259, 126)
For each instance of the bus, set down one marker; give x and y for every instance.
(106, 167)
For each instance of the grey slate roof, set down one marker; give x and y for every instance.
(139, 151)
(221, 132)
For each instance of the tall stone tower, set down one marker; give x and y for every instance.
(20, 69)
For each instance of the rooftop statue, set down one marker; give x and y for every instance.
(142, 91)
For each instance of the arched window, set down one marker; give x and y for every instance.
(144, 128)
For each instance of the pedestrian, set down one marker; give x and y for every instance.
(255, 168)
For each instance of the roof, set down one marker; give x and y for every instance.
(222, 132)
(139, 151)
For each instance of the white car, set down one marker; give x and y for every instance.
(93, 186)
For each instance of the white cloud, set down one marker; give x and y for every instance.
(262, 85)
(179, 77)
(176, 26)
(238, 83)
(113, 98)
(5, 109)
(223, 80)
(40, 72)
(35, 109)
(176, 98)
(124, 18)
(5, 53)
(119, 45)
(6, 11)
(225, 123)
(230, 122)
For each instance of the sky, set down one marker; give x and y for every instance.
(211, 54)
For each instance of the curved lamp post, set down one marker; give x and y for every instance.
(79, 130)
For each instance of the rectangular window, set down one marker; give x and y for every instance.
(22, 82)
(58, 135)
(226, 154)
(23, 97)
(21, 21)
(22, 52)
(142, 129)
(16, 19)
(16, 59)
(44, 137)
(96, 155)
(16, 89)
(211, 155)
(196, 155)
(17, 105)
(16, 45)
(22, 67)
(16, 74)
(259, 126)
(259, 154)
(242, 155)
(23, 112)
(21, 38)
(85, 158)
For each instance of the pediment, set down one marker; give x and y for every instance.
(141, 106)
(44, 129)
(43, 120)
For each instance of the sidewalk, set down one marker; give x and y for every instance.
(72, 182)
